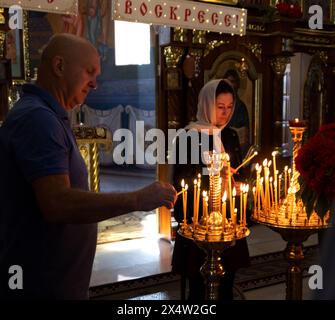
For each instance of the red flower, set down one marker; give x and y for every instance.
(289, 9)
(316, 165)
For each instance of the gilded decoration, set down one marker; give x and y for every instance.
(197, 54)
(179, 34)
(26, 58)
(214, 44)
(256, 49)
(2, 42)
(199, 37)
(2, 17)
(278, 65)
(323, 56)
(88, 139)
(173, 56)
(242, 67)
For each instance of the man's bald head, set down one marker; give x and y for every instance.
(67, 46)
(69, 69)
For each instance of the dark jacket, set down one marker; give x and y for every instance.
(187, 257)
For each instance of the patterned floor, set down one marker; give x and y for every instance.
(265, 270)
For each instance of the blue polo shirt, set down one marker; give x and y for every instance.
(36, 141)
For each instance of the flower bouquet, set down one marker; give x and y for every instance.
(316, 164)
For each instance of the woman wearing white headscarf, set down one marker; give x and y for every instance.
(216, 104)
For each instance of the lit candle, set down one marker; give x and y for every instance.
(285, 181)
(241, 203)
(255, 200)
(262, 194)
(245, 195)
(275, 187)
(206, 213)
(204, 194)
(279, 187)
(234, 195)
(185, 204)
(271, 191)
(229, 184)
(224, 210)
(266, 184)
(274, 153)
(246, 161)
(194, 202)
(183, 194)
(235, 218)
(198, 200)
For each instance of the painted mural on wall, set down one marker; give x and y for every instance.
(126, 85)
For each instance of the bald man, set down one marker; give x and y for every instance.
(48, 218)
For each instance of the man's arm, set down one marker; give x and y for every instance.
(61, 204)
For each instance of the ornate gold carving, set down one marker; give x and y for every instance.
(2, 43)
(278, 65)
(88, 139)
(323, 56)
(2, 17)
(313, 39)
(179, 34)
(199, 37)
(243, 67)
(173, 56)
(26, 45)
(256, 49)
(214, 44)
(197, 54)
(255, 27)
(94, 167)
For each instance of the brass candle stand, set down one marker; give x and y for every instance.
(284, 213)
(215, 232)
(88, 139)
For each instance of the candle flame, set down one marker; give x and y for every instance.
(224, 197)
(204, 193)
(227, 157)
(195, 182)
(265, 162)
(274, 153)
(234, 192)
(186, 186)
(183, 183)
(254, 189)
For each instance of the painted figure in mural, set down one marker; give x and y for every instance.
(240, 118)
(48, 218)
(98, 22)
(73, 24)
(216, 105)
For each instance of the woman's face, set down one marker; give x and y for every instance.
(224, 107)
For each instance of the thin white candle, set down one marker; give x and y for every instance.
(224, 210)
(246, 161)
